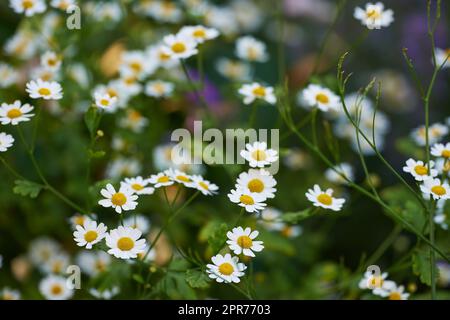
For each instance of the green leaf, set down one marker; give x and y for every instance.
(422, 266)
(296, 217)
(96, 154)
(27, 188)
(91, 120)
(197, 279)
(218, 238)
(138, 278)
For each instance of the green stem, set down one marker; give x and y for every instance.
(11, 169)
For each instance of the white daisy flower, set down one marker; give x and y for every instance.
(115, 89)
(435, 188)
(51, 61)
(243, 241)
(23, 44)
(374, 16)
(56, 264)
(225, 268)
(6, 141)
(165, 11)
(62, 4)
(124, 199)
(161, 180)
(125, 243)
(394, 292)
(28, 7)
(439, 150)
(137, 221)
(419, 170)
(180, 177)
(370, 281)
(134, 121)
(316, 96)
(254, 91)
(123, 167)
(159, 89)
(55, 288)
(435, 133)
(338, 173)
(15, 113)
(252, 202)
(179, 46)
(9, 294)
(105, 294)
(93, 262)
(44, 74)
(204, 186)
(199, 33)
(443, 57)
(258, 155)
(441, 220)
(138, 185)
(105, 102)
(233, 69)
(79, 219)
(250, 49)
(43, 89)
(258, 181)
(324, 199)
(42, 249)
(290, 231)
(89, 234)
(159, 54)
(270, 218)
(8, 76)
(137, 64)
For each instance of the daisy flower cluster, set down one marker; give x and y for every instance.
(383, 287)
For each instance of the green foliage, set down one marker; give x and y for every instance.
(27, 188)
(197, 279)
(422, 265)
(218, 237)
(296, 217)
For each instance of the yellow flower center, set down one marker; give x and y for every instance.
(255, 185)
(376, 282)
(52, 62)
(56, 289)
(125, 244)
(44, 91)
(136, 66)
(421, 170)
(100, 266)
(445, 153)
(325, 199)
(178, 47)
(137, 186)
(259, 91)
(226, 269)
(134, 115)
(159, 88)
(90, 236)
(112, 93)
(79, 220)
(322, 98)
(252, 53)
(14, 113)
(104, 102)
(163, 179)
(164, 56)
(373, 14)
(244, 242)
(395, 296)
(439, 190)
(57, 266)
(199, 33)
(247, 200)
(287, 231)
(183, 178)
(259, 155)
(27, 4)
(118, 199)
(203, 185)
